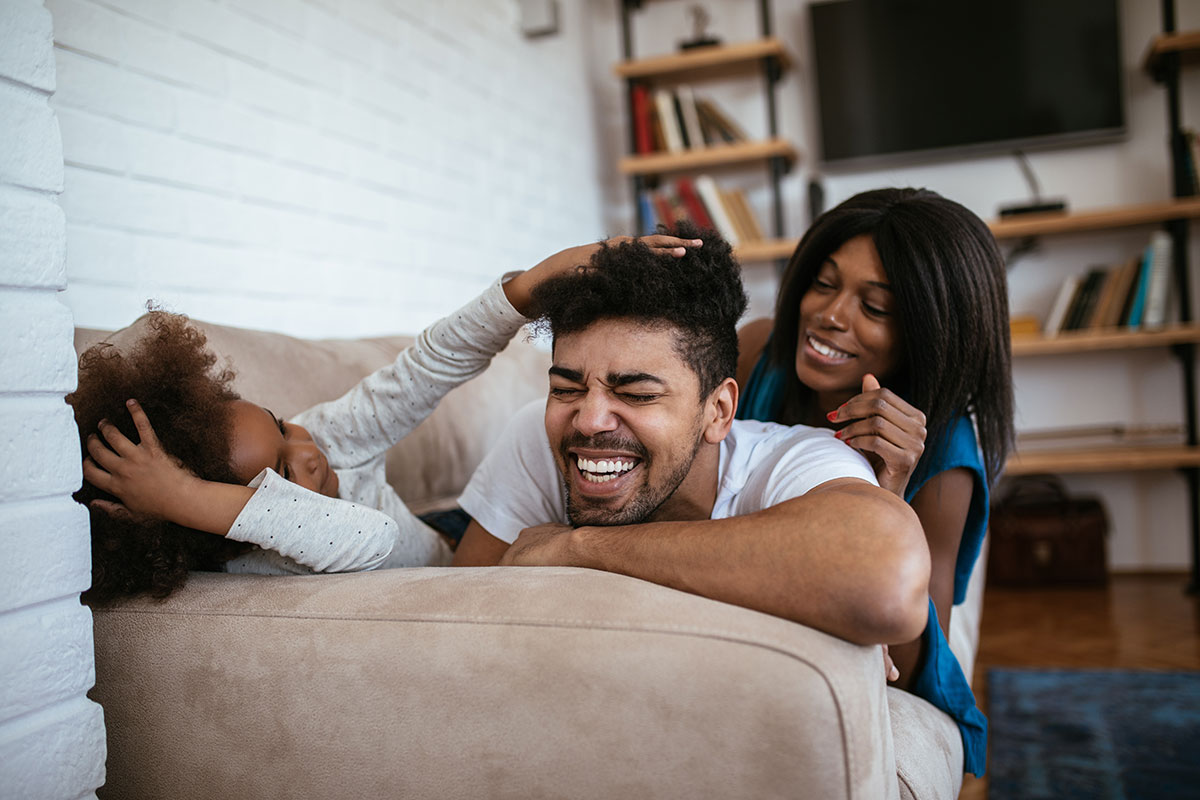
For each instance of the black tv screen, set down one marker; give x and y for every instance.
(912, 78)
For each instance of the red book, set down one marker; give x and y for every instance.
(693, 203)
(666, 214)
(641, 119)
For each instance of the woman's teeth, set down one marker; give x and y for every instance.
(604, 471)
(826, 350)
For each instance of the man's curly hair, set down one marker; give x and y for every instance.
(172, 375)
(700, 295)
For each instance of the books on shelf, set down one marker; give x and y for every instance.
(704, 203)
(1133, 295)
(675, 120)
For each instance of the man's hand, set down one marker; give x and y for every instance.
(541, 546)
(146, 479)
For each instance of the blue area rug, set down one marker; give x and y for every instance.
(1109, 734)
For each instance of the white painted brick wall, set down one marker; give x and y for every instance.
(319, 167)
(51, 736)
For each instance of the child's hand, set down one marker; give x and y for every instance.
(887, 430)
(143, 477)
(519, 289)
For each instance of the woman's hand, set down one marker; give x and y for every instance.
(520, 288)
(143, 477)
(885, 429)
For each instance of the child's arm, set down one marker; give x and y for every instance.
(322, 534)
(385, 406)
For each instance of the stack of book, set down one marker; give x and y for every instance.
(675, 120)
(706, 205)
(1132, 295)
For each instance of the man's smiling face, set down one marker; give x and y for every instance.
(625, 421)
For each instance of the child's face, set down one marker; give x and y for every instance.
(848, 324)
(261, 440)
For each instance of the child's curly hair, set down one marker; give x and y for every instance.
(170, 372)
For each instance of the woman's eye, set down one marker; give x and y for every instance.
(876, 310)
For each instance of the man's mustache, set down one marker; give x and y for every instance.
(604, 441)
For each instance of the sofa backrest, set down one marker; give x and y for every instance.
(288, 375)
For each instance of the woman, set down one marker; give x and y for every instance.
(892, 325)
(218, 482)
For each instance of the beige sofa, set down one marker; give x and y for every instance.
(487, 683)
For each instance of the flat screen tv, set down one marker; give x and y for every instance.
(914, 79)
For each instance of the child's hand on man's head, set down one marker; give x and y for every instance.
(520, 289)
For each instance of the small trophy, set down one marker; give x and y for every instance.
(700, 20)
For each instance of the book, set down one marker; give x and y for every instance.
(720, 123)
(691, 117)
(707, 188)
(649, 217)
(1024, 325)
(664, 103)
(1138, 306)
(750, 221)
(1085, 299)
(664, 210)
(734, 214)
(1118, 290)
(683, 131)
(1062, 302)
(1162, 249)
(1101, 278)
(643, 136)
(692, 202)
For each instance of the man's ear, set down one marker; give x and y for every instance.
(719, 409)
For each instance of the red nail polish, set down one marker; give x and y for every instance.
(832, 415)
(837, 434)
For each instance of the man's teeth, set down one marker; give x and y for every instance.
(603, 471)
(826, 350)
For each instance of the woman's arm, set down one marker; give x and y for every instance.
(752, 339)
(941, 505)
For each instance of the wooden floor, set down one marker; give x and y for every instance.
(1137, 622)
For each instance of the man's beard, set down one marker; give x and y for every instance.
(646, 499)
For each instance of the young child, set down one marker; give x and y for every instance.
(194, 477)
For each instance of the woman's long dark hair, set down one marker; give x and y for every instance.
(948, 279)
(173, 376)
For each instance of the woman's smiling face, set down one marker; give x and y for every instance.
(848, 324)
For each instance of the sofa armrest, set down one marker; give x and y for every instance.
(497, 682)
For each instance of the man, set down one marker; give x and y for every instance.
(637, 466)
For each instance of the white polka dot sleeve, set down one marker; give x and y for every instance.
(386, 405)
(300, 531)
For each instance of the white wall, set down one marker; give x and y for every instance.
(318, 167)
(51, 735)
(1148, 510)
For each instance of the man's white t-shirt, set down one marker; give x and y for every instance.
(762, 464)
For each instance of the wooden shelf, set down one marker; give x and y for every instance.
(1187, 44)
(1079, 222)
(1111, 339)
(707, 157)
(765, 250)
(1103, 459)
(701, 62)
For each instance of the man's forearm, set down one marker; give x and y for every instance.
(847, 558)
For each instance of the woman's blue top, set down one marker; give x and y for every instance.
(939, 678)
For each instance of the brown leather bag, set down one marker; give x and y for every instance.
(1040, 536)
